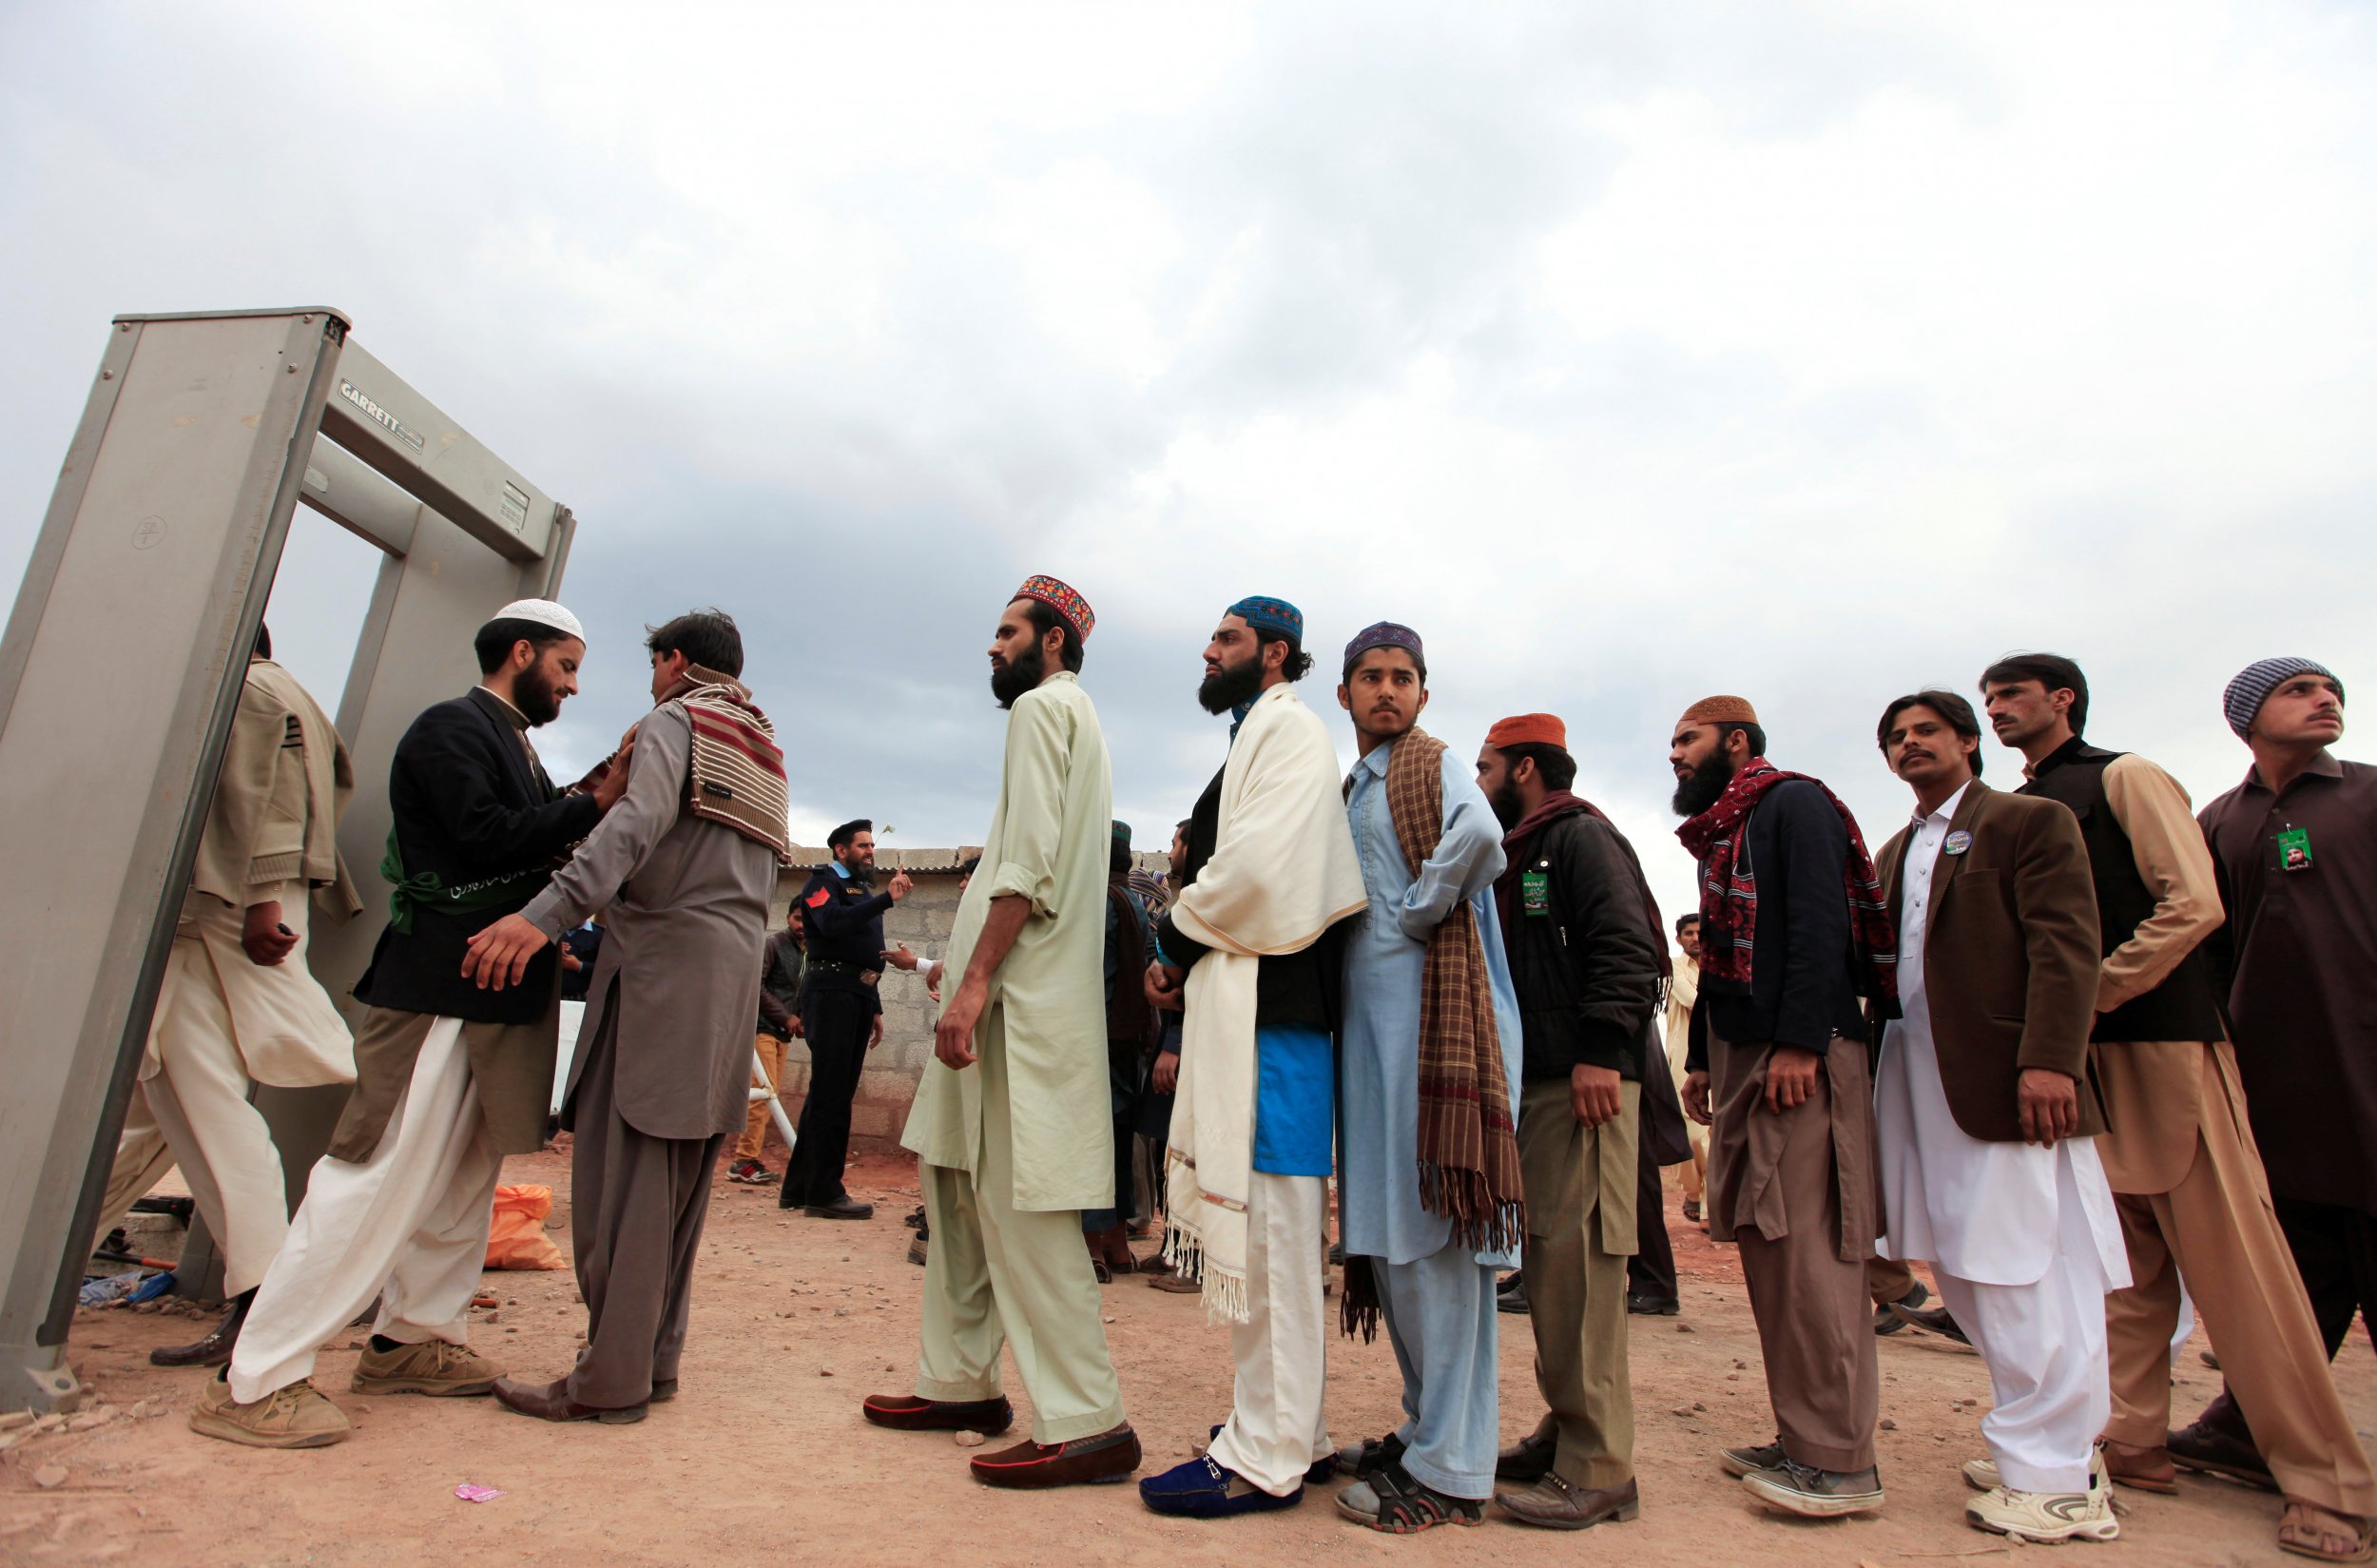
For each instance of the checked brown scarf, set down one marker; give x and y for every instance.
(1468, 1143)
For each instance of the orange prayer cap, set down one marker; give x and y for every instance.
(1528, 729)
(1720, 710)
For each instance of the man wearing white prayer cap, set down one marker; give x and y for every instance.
(449, 1078)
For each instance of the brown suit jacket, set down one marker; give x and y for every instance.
(2010, 957)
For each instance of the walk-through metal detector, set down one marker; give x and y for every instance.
(119, 673)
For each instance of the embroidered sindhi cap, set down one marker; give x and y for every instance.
(1385, 634)
(1528, 729)
(2241, 704)
(1719, 711)
(541, 612)
(1059, 596)
(1276, 616)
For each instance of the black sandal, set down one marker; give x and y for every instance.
(1376, 1455)
(1407, 1506)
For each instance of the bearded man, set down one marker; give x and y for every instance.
(1429, 1192)
(1587, 955)
(1012, 1128)
(1271, 868)
(682, 870)
(449, 1078)
(1793, 931)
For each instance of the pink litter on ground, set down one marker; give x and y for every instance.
(470, 1492)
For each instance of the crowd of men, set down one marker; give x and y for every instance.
(2068, 1044)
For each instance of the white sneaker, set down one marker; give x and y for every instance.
(2046, 1516)
(1981, 1474)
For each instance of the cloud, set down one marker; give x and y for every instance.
(1817, 351)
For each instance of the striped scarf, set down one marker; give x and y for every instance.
(737, 778)
(1468, 1144)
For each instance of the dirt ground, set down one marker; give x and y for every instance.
(764, 1459)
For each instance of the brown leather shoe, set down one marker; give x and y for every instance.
(2211, 1449)
(551, 1402)
(1556, 1503)
(1111, 1456)
(2147, 1469)
(907, 1413)
(215, 1349)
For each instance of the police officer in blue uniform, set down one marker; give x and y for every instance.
(840, 1013)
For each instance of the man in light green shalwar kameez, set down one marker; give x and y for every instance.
(1011, 1126)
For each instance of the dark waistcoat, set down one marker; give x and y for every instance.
(2186, 1005)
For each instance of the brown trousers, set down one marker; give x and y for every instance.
(1888, 1280)
(1581, 1186)
(754, 1137)
(2217, 1230)
(1796, 1189)
(636, 1208)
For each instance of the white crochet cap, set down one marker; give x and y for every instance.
(544, 613)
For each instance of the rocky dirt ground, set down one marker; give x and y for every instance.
(764, 1459)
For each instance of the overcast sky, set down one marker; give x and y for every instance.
(1629, 353)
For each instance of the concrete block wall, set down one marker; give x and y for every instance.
(922, 919)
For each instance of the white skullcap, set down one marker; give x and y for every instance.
(542, 611)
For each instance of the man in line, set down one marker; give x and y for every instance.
(1271, 868)
(1792, 933)
(449, 1078)
(1984, 1117)
(782, 964)
(237, 1002)
(2295, 845)
(683, 868)
(1586, 952)
(1683, 986)
(2186, 1175)
(1012, 1123)
(841, 1014)
(1127, 1017)
(1429, 1198)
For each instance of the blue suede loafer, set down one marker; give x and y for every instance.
(1201, 1489)
(1319, 1473)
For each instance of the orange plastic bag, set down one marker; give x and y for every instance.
(518, 1240)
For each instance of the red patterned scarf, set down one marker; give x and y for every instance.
(1729, 889)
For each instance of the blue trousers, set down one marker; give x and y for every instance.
(1441, 1319)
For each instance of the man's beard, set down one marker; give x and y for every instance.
(1696, 792)
(1231, 686)
(1507, 809)
(1018, 675)
(532, 694)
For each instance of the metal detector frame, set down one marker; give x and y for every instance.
(120, 672)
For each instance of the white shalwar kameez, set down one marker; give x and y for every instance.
(2023, 1241)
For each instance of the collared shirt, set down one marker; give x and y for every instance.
(2300, 948)
(1922, 857)
(1379, 1209)
(520, 724)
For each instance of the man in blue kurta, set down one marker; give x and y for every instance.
(1412, 1247)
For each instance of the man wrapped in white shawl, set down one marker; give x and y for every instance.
(1280, 872)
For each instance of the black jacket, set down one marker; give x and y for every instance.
(1802, 975)
(843, 920)
(1582, 960)
(1292, 988)
(468, 807)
